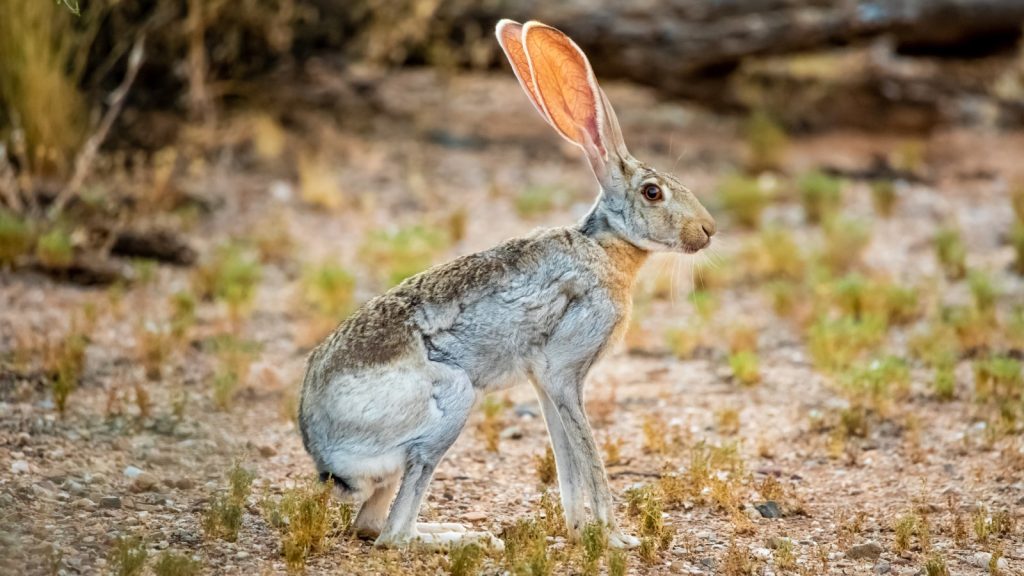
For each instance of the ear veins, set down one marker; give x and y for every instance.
(566, 85)
(509, 35)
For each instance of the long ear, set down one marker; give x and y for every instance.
(510, 38)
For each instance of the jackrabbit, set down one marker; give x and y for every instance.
(390, 390)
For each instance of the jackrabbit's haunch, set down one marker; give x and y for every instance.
(390, 390)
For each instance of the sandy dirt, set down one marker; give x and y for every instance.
(68, 489)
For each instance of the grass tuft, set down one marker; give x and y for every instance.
(402, 253)
(546, 470)
(16, 238)
(128, 556)
(174, 564)
(465, 560)
(766, 142)
(950, 251)
(820, 195)
(744, 199)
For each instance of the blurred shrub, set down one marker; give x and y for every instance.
(15, 238)
(744, 199)
(54, 249)
(820, 195)
(766, 142)
(952, 255)
(395, 256)
(43, 50)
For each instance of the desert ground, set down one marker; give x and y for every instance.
(834, 387)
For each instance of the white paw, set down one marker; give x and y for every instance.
(622, 540)
(437, 527)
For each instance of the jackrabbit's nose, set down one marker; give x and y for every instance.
(708, 226)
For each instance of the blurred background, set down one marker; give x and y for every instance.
(193, 193)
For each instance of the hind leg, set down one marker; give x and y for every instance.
(372, 514)
(452, 398)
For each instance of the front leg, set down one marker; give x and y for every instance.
(565, 393)
(570, 482)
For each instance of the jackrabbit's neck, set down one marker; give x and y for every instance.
(626, 256)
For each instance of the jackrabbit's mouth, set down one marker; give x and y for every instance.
(691, 247)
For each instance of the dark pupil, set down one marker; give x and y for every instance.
(651, 192)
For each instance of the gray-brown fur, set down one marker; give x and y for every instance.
(389, 391)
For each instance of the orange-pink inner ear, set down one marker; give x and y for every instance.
(565, 84)
(510, 34)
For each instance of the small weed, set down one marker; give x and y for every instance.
(174, 564)
(492, 423)
(594, 542)
(845, 241)
(545, 465)
(183, 313)
(465, 560)
(950, 251)
(152, 345)
(1003, 523)
(54, 249)
(1017, 242)
(743, 198)
(973, 330)
(329, 290)
(984, 292)
(645, 506)
(820, 195)
(526, 552)
(936, 566)
(307, 516)
(775, 255)
(656, 435)
(684, 342)
(785, 558)
(617, 563)
(883, 197)
(998, 382)
(879, 382)
(705, 303)
(128, 556)
(737, 561)
(904, 528)
(766, 142)
(67, 364)
(536, 201)
(944, 384)
(612, 451)
(397, 255)
(745, 367)
(223, 518)
(554, 516)
(16, 238)
(231, 276)
(318, 182)
(728, 421)
(836, 343)
(743, 338)
(937, 346)
(980, 523)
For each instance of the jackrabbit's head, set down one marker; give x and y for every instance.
(650, 209)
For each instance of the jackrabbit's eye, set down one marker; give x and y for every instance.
(652, 192)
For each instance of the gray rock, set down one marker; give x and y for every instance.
(19, 467)
(769, 509)
(882, 567)
(110, 502)
(511, 433)
(867, 550)
(131, 472)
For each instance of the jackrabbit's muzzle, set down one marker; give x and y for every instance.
(697, 233)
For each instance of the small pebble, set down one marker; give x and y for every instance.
(19, 467)
(867, 550)
(132, 472)
(110, 502)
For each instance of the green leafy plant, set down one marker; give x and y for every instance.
(745, 367)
